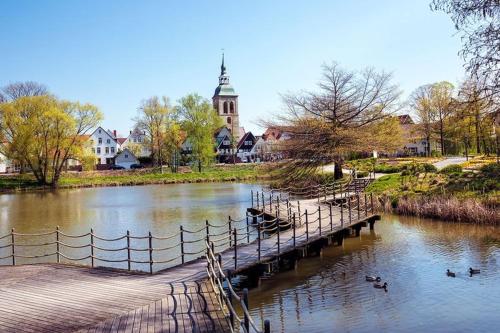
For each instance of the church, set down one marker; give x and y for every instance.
(225, 102)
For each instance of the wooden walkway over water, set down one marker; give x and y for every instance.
(196, 296)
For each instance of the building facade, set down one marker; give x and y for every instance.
(104, 146)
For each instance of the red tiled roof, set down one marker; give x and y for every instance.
(121, 140)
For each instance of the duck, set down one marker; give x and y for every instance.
(372, 278)
(474, 271)
(380, 286)
(450, 273)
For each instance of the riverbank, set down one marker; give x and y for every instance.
(450, 194)
(224, 173)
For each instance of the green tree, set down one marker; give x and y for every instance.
(441, 102)
(43, 133)
(421, 103)
(200, 121)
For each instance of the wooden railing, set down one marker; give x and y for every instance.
(227, 297)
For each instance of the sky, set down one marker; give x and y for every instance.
(114, 54)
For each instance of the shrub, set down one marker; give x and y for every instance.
(429, 167)
(385, 168)
(491, 170)
(361, 174)
(452, 168)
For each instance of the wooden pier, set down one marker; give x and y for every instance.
(195, 294)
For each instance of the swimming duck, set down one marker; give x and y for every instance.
(450, 273)
(474, 271)
(373, 278)
(380, 286)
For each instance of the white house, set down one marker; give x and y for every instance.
(126, 158)
(137, 137)
(104, 146)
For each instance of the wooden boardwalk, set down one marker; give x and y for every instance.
(60, 298)
(184, 298)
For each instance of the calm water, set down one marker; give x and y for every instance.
(412, 255)
(111, 211)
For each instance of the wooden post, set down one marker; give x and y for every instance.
(128, 250)
(258, 205)
(150, 238)
(248, 228)
(278, 232)
(319, 219)
(92, 247)
(208, 231)
(271, 203)
(267, 326)
(371, 202)
(357, 201)
(341, 214)
(331, 218)
(57, 245)
(349, 207)
(230, 298)
(258, 241)
(235, 245)
(230, 230)
(263, 203)
(300, 215)
(251, 192)
(246, 321)
(366, 205)
(307, 228)
(182, 243)
(13, 246)
(293, 229)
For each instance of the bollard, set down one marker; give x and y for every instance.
(307, 228)
(319, 219)
(13, 246)
(331, 218)
(150, 238)
(258, 241)
(207, 231)
(230, 230)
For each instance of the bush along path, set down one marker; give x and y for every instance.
(449, 194)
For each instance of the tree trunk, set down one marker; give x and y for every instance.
(199, 165)
(428, 146)
(337, 171)
(441, 136)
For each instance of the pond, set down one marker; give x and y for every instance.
(330, 294)
(111, 211)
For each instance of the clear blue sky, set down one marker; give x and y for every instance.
(116, 53)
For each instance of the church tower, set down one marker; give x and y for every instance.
(225, 102)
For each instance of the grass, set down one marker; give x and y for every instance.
(458, 196)
(137, 177)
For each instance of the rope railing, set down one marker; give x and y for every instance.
(228, 298)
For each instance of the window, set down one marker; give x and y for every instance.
(106, 150)
(231, 107)
(226, 142)
(126, 155)
(108, 141)
(99, 141)
(229, 120)
(112, 150)
(98, 150)
(99, 131)
(225, 107)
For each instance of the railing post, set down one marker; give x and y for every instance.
(258, 205)
(182, 243)
(251, 191)
(235, 245)
(258, 241)
(128, 250)
(230, 297)
(57, 245)
(307, 228)
(350, 212)
(278, 233)
(371, 201)
(293, 229)
(246, 321)
(319, 219)
(341, 214)
(92, 247)
(150, 238)
(271, 203)
(357, 201)
(300, 215)
(366, 205)
(208, 231)
(230, 230)
(263, 202)
(267, 326)
(248, 228)
(331, 217)
(13, 246)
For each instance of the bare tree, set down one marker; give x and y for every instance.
(324, 126)
(479, 22)
(421, 102)
(16, 90)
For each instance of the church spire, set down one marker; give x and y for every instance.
(222, 66)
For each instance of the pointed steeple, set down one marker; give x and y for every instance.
(222, 66)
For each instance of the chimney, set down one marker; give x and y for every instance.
(114, 133)
(130, 132)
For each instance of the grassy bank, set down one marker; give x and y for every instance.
(450, 194)
(225, 173)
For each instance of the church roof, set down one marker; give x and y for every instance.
(225, 90)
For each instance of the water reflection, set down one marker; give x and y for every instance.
(329, 293)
